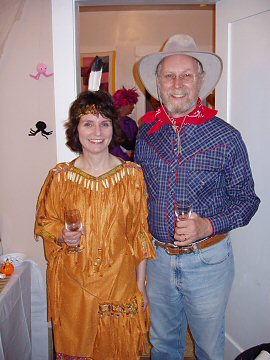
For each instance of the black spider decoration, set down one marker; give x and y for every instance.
(41, 126)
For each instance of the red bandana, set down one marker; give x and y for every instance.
(198, 116)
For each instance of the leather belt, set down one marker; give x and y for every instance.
(172, 249)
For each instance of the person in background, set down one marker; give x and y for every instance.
(96, 271)
(124, 101)
(188, 154)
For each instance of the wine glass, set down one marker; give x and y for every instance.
(182, 210)
(73, 222)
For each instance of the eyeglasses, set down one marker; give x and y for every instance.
(186, 78)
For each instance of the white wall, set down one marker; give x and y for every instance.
(242, 96)
(25, 160)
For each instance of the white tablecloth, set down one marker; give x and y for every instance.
(23, 315)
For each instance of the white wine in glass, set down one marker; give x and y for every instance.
(73, 222)
(182, 210)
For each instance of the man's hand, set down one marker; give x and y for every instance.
(191, 229)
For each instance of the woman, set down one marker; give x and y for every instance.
(124, 101)
(97, 296)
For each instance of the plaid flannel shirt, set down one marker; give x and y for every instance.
(212, 171)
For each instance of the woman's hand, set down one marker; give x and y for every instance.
(141, 282)
(145, 296)
(72, 238)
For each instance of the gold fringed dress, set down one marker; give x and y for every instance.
(93, 298)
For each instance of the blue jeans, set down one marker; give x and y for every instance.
(190, 289)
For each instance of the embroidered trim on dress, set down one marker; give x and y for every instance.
(60, 356)
(144, 245)
(111, 178)
(118, 310)
(46, 234)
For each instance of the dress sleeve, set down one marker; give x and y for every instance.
(49, 216)
(140, 235)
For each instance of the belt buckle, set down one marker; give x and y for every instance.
(186, 250)
(169, 248)
(178, 250)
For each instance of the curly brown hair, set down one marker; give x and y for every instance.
(104, 106)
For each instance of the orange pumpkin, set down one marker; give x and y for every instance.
(7, 268)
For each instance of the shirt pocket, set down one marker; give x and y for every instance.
(204, 174)
(152, 173)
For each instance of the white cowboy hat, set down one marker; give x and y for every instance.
(181, 44)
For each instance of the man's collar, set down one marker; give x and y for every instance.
(160, 118)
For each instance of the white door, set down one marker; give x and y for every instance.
(243, 98)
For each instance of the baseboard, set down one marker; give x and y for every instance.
(232, 348)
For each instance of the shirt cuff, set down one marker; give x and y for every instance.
(212, 225)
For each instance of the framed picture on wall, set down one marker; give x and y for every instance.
(108, 72)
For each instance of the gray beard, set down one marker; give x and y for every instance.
(177, 111)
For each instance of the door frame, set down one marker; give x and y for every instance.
(65, 20)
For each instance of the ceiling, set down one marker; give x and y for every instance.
(143, 2)
(87, 8)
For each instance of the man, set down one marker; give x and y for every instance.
(189, 154)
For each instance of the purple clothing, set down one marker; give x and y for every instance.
(130, 129)
(117, 151)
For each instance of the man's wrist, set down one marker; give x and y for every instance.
(210, 228)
